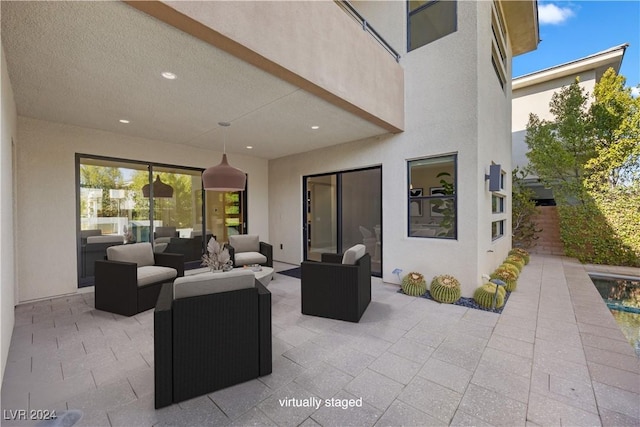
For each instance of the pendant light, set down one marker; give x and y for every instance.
(224, 177)
(160, 189)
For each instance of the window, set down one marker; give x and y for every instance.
(497, 204)
(497, 229)
(498, 49)
(432, 204)
(124, 201)
(428, 21)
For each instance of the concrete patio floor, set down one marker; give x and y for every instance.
(555, 356)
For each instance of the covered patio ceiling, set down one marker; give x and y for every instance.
(91, 64)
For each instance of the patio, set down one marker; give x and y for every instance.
(555, 356)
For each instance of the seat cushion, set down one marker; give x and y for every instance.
(247, 258)
(140, 253)
(211, 283)
(245, 243)
(165, 232)
(107, 238)
(353, 254)
(154, 274)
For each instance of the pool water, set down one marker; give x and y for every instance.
(622, 296)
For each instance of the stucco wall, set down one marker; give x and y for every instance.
(7, 257)
(46, 203)
(494, 146)
(441, 118)
(312, 44)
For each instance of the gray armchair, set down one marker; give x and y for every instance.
(247, 249)
(129, 281)
(339, 287)
(211, 331)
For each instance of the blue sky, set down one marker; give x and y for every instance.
(571, 30)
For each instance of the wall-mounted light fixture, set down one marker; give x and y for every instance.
(494, 177)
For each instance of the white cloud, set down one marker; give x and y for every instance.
(635, 91)
(550, 14)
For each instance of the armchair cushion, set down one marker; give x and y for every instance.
(353, 254)
(211, 283)
(248, 258)
(245, 243)
(165, 232)
(139, 253)
(152, 274)
(107, 238)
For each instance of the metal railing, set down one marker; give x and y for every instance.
(368, 28)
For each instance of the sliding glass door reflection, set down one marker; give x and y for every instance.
(344, 209)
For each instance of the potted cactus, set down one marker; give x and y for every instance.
(445, 289)
(414, 284)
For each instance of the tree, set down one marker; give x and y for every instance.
(560, 149)
(615, 125)
(523, 209)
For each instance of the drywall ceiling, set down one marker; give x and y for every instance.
(91, 64)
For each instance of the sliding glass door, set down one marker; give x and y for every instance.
(344, 209)
(121, 202)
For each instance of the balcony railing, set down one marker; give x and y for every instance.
(347, 7)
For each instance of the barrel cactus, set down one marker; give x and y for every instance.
(510, 267)
(507, 276)
(414, 284)
(522, 253)
(445, 289)
(516, 260)
(485, 295)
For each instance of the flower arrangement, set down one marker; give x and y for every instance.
(217, 258)
(414, 284)
(445, 289)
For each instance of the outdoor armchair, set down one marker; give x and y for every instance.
(338, 287)
(211, 331)
(247, 249)
(129, 280)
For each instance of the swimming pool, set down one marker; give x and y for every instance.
(622, 296)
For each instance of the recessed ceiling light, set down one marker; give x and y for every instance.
(315, 127)
(249, 147)
(124, 121)
(168, 75)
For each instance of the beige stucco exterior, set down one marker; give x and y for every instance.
(444, 97)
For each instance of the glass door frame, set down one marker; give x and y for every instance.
(150, 167)
(339, 231)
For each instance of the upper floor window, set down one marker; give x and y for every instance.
(498, 45)
(429, 20)
(432, 197)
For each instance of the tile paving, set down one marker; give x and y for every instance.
(555, 356)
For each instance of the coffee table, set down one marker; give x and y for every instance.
(263, 276)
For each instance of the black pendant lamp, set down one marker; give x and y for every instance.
(160, 189)
(224, 177)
